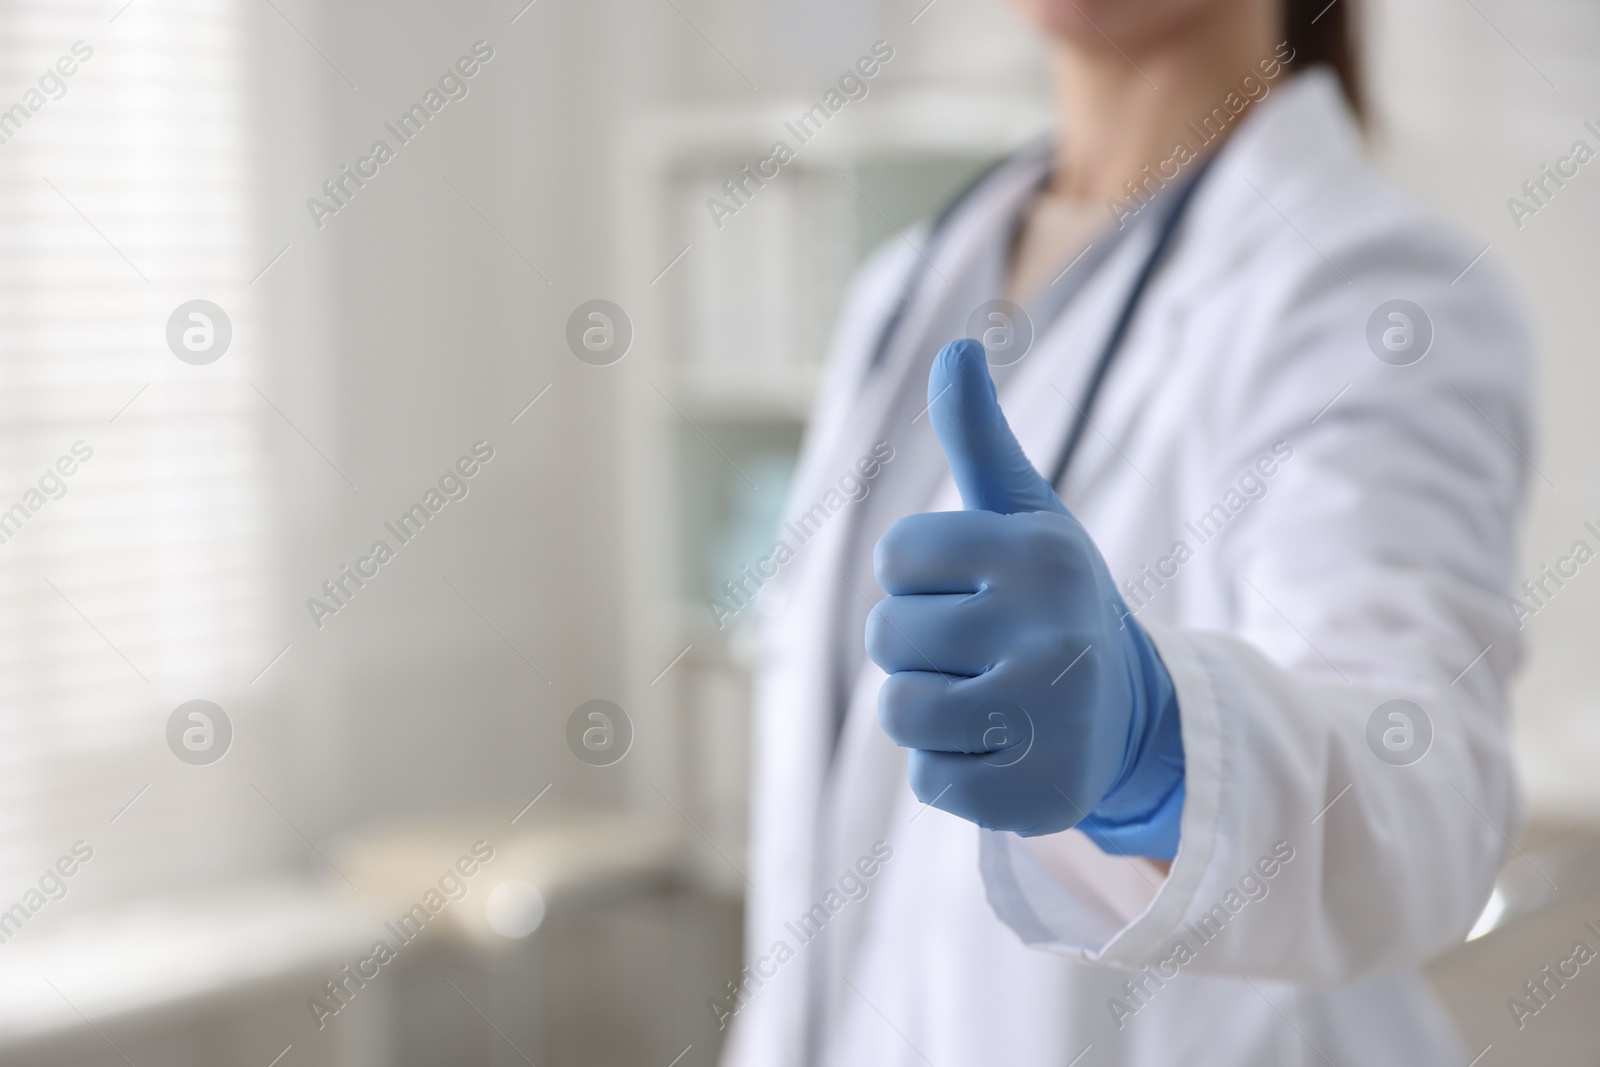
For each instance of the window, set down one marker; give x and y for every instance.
(133, 512)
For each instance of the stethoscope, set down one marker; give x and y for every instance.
(1171, 219)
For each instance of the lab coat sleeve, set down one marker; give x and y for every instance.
(1314, 846)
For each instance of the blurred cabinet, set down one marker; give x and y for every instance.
(736, 267)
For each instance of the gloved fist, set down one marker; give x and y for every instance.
(1030, 697)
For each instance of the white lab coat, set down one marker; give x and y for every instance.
(1375, 566)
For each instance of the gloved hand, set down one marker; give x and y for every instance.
(1030, 697)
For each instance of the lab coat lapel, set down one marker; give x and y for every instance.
(810, 817)
(869, 792)
(868, 785)
(1253, 188)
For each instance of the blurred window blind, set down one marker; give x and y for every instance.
(139, 581)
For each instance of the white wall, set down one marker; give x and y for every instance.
(410, 329)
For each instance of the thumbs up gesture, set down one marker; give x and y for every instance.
(1030, 698)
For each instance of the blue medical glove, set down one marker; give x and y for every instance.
(1030, 697)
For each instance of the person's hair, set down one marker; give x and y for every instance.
(1324, 32)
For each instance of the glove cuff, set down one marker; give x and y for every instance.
(1140, 815)
(1154, 837)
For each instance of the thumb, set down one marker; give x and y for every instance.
(989, 466)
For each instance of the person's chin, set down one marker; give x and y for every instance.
(1064, 19)
(1095, 23)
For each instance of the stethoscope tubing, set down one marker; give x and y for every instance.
(1170, 222)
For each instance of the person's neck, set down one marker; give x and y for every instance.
(1124, 107)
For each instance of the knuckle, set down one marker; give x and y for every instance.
(887, 550)
(1051, 546)
(905, 533)
(929, 779)
(1033, 534)
(879, 631)
(896, 706)
(893, 551)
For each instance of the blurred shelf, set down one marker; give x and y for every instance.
(1554, 862)
(1545, 897)
(564, 855)
(749, 392)
(165, 954)
(743, 321)
(1556, 734)
(905, 120)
